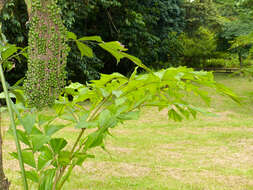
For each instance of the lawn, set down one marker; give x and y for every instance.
(209, 153)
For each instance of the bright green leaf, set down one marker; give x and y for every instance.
(91, 38)
(32, 175)
(11, 49)
(28, 122)
(44, 158)
(134, 115)
(28, 157)
(39, 140)
(84, 49)
(51, 129)
(64, 158)
(57, 144)
(72, 35)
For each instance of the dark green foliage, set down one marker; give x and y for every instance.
(14, 22)
(236, 28)
(15, 27)
(143, 26)
(199, 48)
(147, 26)
(201, 13)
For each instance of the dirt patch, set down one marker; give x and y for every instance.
(168, 152)
(234, 156)
(203, 176)
(101, 170)
(225, 129)
(115, 149)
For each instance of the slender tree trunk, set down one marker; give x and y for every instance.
(47, 53)
(4, 183)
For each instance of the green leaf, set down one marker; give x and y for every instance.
(203, 111)
(91, 38)
(134, 115)
(117, 50)
(36, 131)
(28, 122)
(137, 61)
(115, 45)
(113, 48)
(47, 179)
(32, 175)
(19, 94)
(117, 93)
(45, 158)
(83, 123)
(173, 114)
(133, 75)
(64, 158)
(10, 50)
(38, 141)
(81, 157)
(226, 91)
(52, 129)
(23, 137)
(45, 119)
(120, 101)
(94, 139)
(106, 119)
(28, 157)
(59, 108)
(104, 92)
(2, 95)
(8, 65)
(84, 49)
(84, 94)
(25, 54)
(57, 144)
(71, 35)
(68, 117)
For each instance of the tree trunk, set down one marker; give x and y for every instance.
(47, 54)
(4, 183)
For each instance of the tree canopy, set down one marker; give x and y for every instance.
(150, 29)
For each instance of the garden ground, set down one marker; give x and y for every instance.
(210, 153)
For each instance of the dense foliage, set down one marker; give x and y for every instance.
(141, 25)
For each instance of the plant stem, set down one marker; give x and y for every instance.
(13, 125)
(91, 116)
(62, 170)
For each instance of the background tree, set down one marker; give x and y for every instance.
(141, 25)
(199, 48)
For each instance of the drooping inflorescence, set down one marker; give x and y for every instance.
(47, 54)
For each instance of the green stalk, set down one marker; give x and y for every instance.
(13, 125)
(61, 178)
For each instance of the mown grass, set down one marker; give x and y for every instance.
(209, 153)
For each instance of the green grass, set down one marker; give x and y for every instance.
(209, 153)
